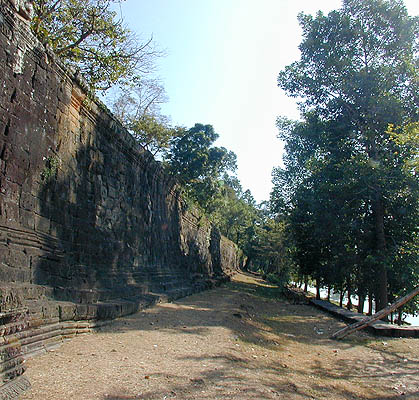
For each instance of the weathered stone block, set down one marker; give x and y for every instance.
(89, 223)
(42, 224)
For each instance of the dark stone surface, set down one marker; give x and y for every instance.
(90, 226)
(83, 208)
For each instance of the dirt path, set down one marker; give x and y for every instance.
(234, 342)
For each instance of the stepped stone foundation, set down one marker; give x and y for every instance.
(91, 228)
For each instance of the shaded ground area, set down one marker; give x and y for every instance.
(239, 341)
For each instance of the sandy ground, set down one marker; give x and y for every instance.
(235, 342)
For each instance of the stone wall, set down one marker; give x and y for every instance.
(90, 226)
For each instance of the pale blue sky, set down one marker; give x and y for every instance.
(223, 58)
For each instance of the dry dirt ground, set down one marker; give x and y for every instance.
(238, 341)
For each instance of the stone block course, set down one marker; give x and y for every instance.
(90, 226)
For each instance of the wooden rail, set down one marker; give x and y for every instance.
(377, 316)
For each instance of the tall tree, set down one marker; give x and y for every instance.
(358, 64)
(137, 106)
(142, 97)
(198, 164)
(236, 215)
(87, 35)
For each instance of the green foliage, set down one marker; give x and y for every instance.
(192, 156)
(330, 212)
(198, 165)
(236, 216)
(154, 133)
(280, 280)
(87, 35)
(137, 106)
(407, 137)
(52, 163)
(203, 171)
(272, 250)
(350, 201)
(358, 59)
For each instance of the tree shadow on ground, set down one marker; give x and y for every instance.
(243, 311)
(226, 382)
(257, 315)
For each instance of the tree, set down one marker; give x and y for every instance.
(142, 97)
(271, 251)
(326, 191)
(192, 156)
(137, 106)
(357, 69)
(198, 165)
(236, 215)
(87, 35)
(154, 132)
(407, 137)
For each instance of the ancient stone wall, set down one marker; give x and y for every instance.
(90, 226)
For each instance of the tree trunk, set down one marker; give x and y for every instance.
(379, 315)
(341, 298)
(399, 320)
(305, 284)
(370, 303)
(247, 264)
(328, 292)
(377, 206)
(381, 296)
(318, 289)
(349, 304)
(361, 301)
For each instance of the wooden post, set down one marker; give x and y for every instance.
(377, 316)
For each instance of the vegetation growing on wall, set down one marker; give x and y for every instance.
(87, 35)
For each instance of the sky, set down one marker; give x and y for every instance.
(221, 66)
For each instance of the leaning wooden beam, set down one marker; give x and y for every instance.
(377, 316)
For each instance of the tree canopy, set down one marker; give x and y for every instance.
(197, 164)
(193, 156)
(351, 200)
(87, 35)
(137, 106)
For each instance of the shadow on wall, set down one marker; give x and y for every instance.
(114, 240)
(83, 208)
(119, 230)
